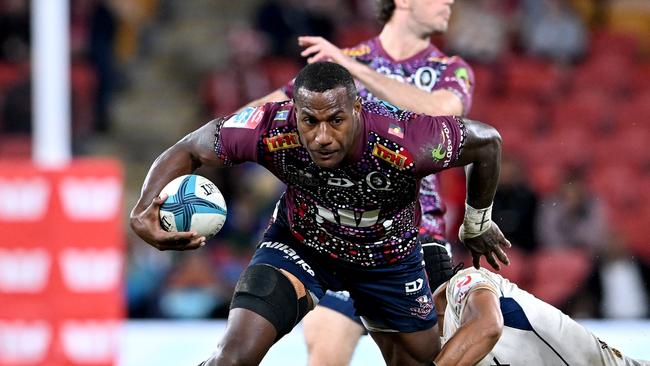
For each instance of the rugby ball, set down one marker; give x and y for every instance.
(194, 203)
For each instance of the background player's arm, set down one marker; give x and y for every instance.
(191, 152)
(480, 330)
(274, 96)
(402, 95)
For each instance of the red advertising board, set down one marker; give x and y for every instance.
(61, 263)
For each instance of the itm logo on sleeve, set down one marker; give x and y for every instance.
(290, 253)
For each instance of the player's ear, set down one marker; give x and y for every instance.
(357, 105)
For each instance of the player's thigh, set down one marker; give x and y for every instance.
(331, 337)
(417, 348)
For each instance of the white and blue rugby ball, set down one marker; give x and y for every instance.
(194, 204)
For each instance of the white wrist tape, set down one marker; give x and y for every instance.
(476, 221)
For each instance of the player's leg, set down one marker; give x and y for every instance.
(396, 306)
(332, 330)
(417, 348)
(273, 294)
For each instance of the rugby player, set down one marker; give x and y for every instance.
(400, 66)
(349, 217)
(484, 319)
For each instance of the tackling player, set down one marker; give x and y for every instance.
(402, 67)
(349, 217)
(486, 320)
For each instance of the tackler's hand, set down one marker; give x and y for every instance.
(147, 225)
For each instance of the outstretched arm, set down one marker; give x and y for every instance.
(480, 330)
(402, 95)
(275, 96)
(191, 152)
(481, 155)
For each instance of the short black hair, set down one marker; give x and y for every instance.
(322, 76)
(385, 11)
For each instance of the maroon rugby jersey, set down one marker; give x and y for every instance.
(429, 70)
(364, 212)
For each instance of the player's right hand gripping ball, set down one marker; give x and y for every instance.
(194, 204)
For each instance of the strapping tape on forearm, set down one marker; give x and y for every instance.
(476, 221)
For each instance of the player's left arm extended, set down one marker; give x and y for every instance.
(481, 155)
(404, 96)
(480, 330)
(439, 102)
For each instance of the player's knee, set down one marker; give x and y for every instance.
(266, 291)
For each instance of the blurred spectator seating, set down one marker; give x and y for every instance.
(558, 274)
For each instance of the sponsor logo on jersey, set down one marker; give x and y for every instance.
(281, 115)
(290, 253)
(24, 342)
(360, 50)
(462, 74)
(444, 150)
(90, 341)
(339, 182)
(299, 177)
(248, 118)
(91, 270)
(396, 130)
(348, 217)
(23, 270)
(378, 181)
(91, 199)
(425, 305)
(282, 141)
(425, 78)
(413, 286)
(23, 199)
(400, 160)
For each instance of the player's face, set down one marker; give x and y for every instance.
(431, 15)
(328, 124)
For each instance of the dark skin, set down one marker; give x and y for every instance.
(329, 125)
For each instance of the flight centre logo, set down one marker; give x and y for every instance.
(282, 141)
(400, 159)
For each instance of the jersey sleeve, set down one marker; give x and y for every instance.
(461, 286)
(458, 78)
(238, 135)
(436, 142)
(288, 88)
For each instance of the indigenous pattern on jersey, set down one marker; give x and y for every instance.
(366, 211)
(534, 332)
(429, 70)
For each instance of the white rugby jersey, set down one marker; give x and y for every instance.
(534, 332)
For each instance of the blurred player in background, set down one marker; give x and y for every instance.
(349, 217)
(486, 320)
(400, 66)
